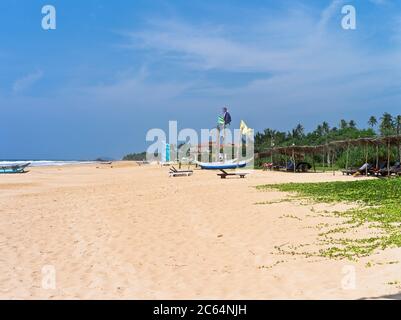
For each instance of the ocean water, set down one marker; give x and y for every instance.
(44, 163)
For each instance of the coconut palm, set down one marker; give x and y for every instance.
(398, 124)
(372, 122)
(343, 124)
(398, 129)
(387, 124)
(319, 130)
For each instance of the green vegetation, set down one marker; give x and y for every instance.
(324, 133)
(378, 206)
(135, 156)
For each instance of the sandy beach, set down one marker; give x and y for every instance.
(122, 231)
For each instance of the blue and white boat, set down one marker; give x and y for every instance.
(14, 168)
(221, 165)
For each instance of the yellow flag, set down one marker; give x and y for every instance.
(244, 128)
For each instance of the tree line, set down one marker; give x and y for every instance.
(385, 125)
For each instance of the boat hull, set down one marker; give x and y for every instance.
(218, 165)
(14, 168)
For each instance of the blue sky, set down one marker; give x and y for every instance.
(112, 70)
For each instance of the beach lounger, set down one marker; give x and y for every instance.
(394, 169)
(142, 162)
(225, 174)
(17, 168)
(349, 171)
(303, 167)
(180, 173)
(358, 171)
(289, 167)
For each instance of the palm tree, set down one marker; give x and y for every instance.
(300, 130)
(343, 124)
(326, 131)
(386, 124)
(319, 130)
(352, 124)
(326, 127)
(372, 122)
(398, 125)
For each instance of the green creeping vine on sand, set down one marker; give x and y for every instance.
(379, 207)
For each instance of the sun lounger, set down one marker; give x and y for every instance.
(17, 168)
(376, 171)
(142, 162)
(350, 171)
(303, 167)
(225, 174)
(289, 167)
(358, 171)
(180, 173)
(395, 169)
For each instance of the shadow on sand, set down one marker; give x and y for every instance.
(396, 296)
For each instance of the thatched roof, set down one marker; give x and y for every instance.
(297, 150)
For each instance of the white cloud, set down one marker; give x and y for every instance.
(27, 81)
(310, 61)
(328, 13)
(135, 90)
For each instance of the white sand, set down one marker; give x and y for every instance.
(131, 232)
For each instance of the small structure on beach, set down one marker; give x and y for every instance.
(298, 152)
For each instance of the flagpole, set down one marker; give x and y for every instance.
(218, 144)
(238, 151)
(224, 141)
(239, 144)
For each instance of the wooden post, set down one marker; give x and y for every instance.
(272, 159)
(293, 160)
(347, 158)
(286, 160)
(313, 162)
(224, 143)
(271, 148)
(366, 159)
(218, 144)
(377, 157)
(399, 152)
(324, 154)
(332, 163)
(388, 158)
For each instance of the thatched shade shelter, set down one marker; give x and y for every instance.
(293, 150)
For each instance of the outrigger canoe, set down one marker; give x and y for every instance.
(221, 165)
(14, 168)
